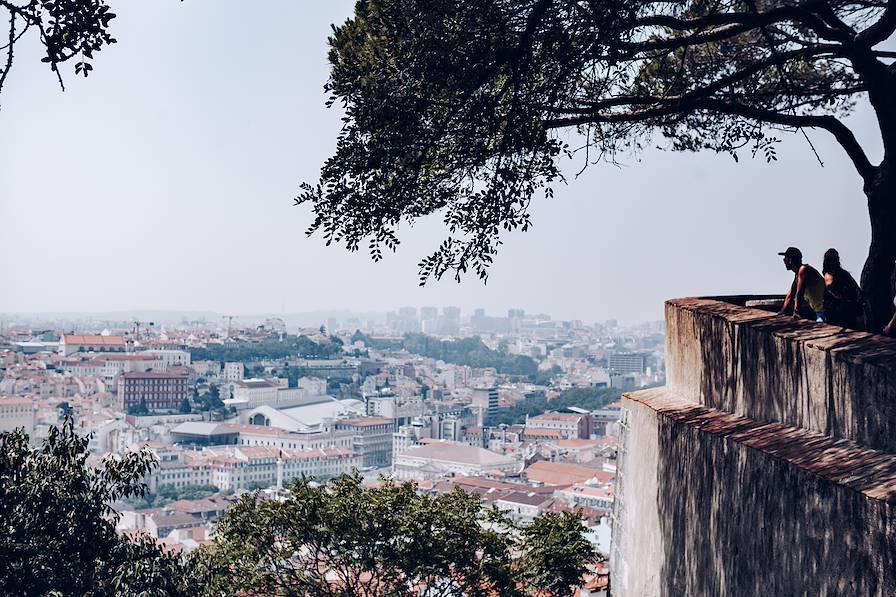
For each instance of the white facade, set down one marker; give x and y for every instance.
(172, 358)
(234, 371)
(17, 413)
(233, 468)
(443, 458)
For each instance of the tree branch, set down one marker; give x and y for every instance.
(840, 131)
(881, 29)
(746, 21)
(9, 49)
(664, 107)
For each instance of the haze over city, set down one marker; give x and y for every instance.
(678, 380)
(165, 181)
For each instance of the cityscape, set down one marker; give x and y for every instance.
(491, 298)
(519, 408)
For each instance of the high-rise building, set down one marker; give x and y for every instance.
(486, 401)
(449, 324)
(627, 362)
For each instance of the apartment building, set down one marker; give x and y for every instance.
(157, 390)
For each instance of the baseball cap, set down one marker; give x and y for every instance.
(792, 252)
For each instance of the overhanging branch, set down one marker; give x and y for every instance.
(667, 107)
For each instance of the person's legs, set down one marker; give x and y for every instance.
(806, 312)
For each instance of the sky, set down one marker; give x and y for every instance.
(165, 181)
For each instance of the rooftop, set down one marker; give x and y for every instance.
(447, 451)
(92, 340)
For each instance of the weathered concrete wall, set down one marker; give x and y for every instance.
(773, 368)
(712, 504)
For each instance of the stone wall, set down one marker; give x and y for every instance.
(764, 467)
(772, 368)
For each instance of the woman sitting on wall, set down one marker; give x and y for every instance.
(842, 296)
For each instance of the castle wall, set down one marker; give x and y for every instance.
(764, 467)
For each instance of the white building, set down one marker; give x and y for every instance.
(435, 459)
(234, 371)
(71, 343)
(485, 399)
(17, 413)
(233, 468)
(252, 393)
(172, 358)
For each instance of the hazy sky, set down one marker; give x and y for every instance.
(165, 180)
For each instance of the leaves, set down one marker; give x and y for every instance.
(451, 107)
(67, 29)
(56, 530)
(347, 539)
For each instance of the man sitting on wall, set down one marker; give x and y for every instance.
(806, 294)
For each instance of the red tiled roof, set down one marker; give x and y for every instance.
(92, 340)
(562, 473)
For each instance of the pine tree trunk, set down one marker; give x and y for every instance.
(879, 267)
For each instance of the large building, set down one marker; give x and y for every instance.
(109, 366)
(436, 459)
(568, 425)
(234, 468)
(486, 401)
(16, 413)
(157, 390)
(234, 371)
(372, 439)
(627, 362)
(71, 343)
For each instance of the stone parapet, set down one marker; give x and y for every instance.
(766, 466)
(774, 368)
(713, 504)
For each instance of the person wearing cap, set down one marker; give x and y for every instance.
(806, 294)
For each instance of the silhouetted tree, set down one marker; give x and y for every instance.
(453, 106)
(67, 30)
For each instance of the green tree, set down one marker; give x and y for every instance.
(556, 554)
(472, 352)
(185, 407)
(455, 107)
(270, 348)
(343, 538)
(57, 533)
(139, 409)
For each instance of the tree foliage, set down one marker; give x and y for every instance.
(454, 107)
(270, 348)
(471, 352)
(67, 29)
(587, 398)
(57, 533)
(343, 538)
